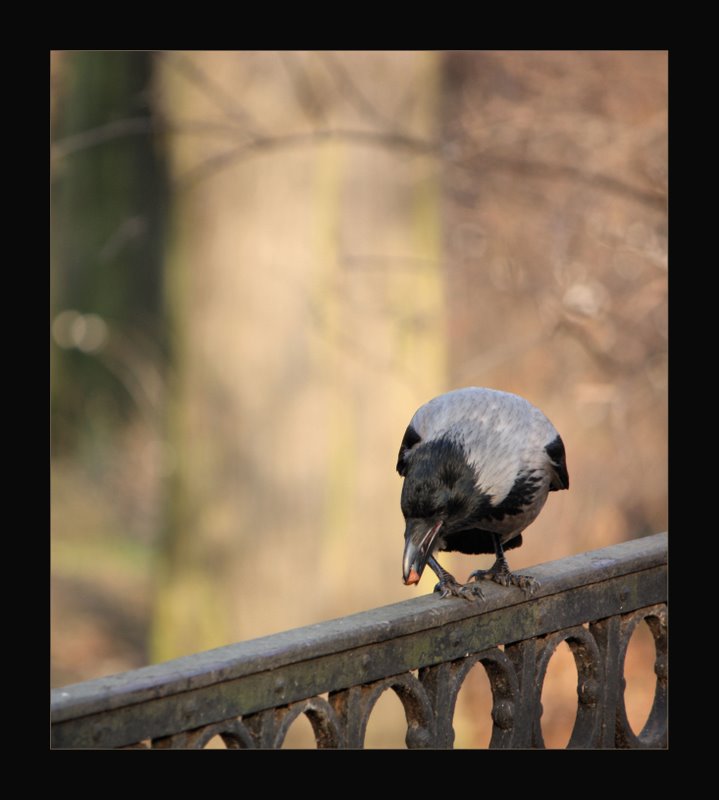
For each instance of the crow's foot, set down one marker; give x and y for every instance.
(500, 574)
(448, 586)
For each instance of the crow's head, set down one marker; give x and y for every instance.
(438, 491)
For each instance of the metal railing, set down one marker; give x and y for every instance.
(250, 693)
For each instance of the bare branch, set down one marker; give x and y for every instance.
(213, 91)
(305, 92)
(133, 126)
(474, 163)
(350, 91)
(312, 139)
(545, 171)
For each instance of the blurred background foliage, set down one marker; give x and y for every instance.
(264, 262)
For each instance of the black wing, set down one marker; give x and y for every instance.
(558, 458)
(410, 439)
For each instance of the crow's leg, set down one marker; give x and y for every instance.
(499, 572)
(448, 585)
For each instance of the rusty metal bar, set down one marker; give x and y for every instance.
(249, 693)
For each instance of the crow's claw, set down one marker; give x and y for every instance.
(449, 587)
(482, 574)
(526, 583)
(504, 577)
(475, 589)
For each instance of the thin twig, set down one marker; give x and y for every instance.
(544, 171)
(213, 91)
(351, 92)
(305, 92)
(132, 126)
(118, 129)
(475, 163)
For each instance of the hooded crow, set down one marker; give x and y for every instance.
(477, 467)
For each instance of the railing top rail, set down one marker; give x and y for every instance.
(335, 636)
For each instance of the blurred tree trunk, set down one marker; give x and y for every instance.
(306, 302)
(555, 221)
(108, 201)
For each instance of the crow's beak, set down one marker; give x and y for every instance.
(419, 539)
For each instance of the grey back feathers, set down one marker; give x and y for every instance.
(491, 453)
(502, 434)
